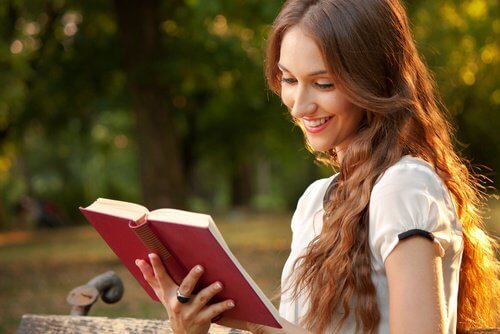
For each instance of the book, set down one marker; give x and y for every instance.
(182, 239)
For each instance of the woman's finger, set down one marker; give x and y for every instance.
(215, 310)
(204, 296)
(147, 272)
(160, 272)
(189, 282)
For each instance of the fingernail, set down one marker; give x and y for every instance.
(199, 269)
(230, 303)
(218, 285)
(150, 255)
(137, 262)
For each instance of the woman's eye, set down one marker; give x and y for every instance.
(324, 85)
(289, 81)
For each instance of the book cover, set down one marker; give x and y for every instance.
(182, 239)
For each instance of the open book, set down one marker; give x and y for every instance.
(182, 239)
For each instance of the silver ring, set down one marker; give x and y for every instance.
(181, 298)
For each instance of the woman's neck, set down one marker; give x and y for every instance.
(340, 154)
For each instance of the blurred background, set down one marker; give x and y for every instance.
(164, 103)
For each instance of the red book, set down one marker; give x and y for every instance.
(182, 239)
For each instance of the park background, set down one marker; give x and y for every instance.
(164, 103)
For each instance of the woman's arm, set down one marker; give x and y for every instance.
(416, 295)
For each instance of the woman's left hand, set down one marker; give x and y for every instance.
(194, 316)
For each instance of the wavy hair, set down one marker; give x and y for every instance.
(369, 49)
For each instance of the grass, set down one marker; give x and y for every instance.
(38, 269)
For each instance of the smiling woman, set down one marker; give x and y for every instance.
(401, 215)
(393, 241)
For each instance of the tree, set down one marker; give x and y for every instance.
(160, 160)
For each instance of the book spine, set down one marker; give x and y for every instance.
(175, 270)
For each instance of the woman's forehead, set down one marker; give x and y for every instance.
(300, 53)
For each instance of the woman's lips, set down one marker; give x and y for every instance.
(315, 125)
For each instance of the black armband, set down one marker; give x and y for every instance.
(411, 233)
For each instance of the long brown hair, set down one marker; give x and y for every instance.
(369, 49)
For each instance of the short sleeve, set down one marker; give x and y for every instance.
(409, 199)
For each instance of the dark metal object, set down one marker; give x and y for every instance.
(108, 285)
(181, 298)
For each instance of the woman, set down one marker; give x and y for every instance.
(393, 241)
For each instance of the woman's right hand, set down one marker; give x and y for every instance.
(192, 317)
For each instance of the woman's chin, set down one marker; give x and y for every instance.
(318, 146)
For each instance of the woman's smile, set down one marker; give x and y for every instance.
(316, 125)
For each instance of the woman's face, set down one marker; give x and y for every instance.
(308, 89)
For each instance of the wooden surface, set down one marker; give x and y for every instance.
(65, 324)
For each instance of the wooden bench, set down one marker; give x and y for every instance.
(67, 324)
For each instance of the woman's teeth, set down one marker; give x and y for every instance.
(316, 122)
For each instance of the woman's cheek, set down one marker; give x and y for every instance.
(286, 98)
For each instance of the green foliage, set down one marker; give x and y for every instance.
(460, 42)
(67, 127)
(65, 91)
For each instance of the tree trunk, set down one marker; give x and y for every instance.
(242, 182)
(160, 160)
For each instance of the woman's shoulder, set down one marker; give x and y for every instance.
(410, 173)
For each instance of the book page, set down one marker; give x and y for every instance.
(180, 217)
(121, 209)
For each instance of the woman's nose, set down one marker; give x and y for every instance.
(303, 103)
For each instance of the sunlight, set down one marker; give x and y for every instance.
(495, 97)
(452, 17)
(170, 27)
(31, 28)
(16, 47)
(477, 9)
(70, 21)
(489, 54)
(468, 43)
(468, 76)
(70, 29)
(219, 25)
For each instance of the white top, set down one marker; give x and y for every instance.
(409, 195)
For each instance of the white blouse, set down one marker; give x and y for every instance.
(408, 196)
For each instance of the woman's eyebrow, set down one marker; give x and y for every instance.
(319, 72)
